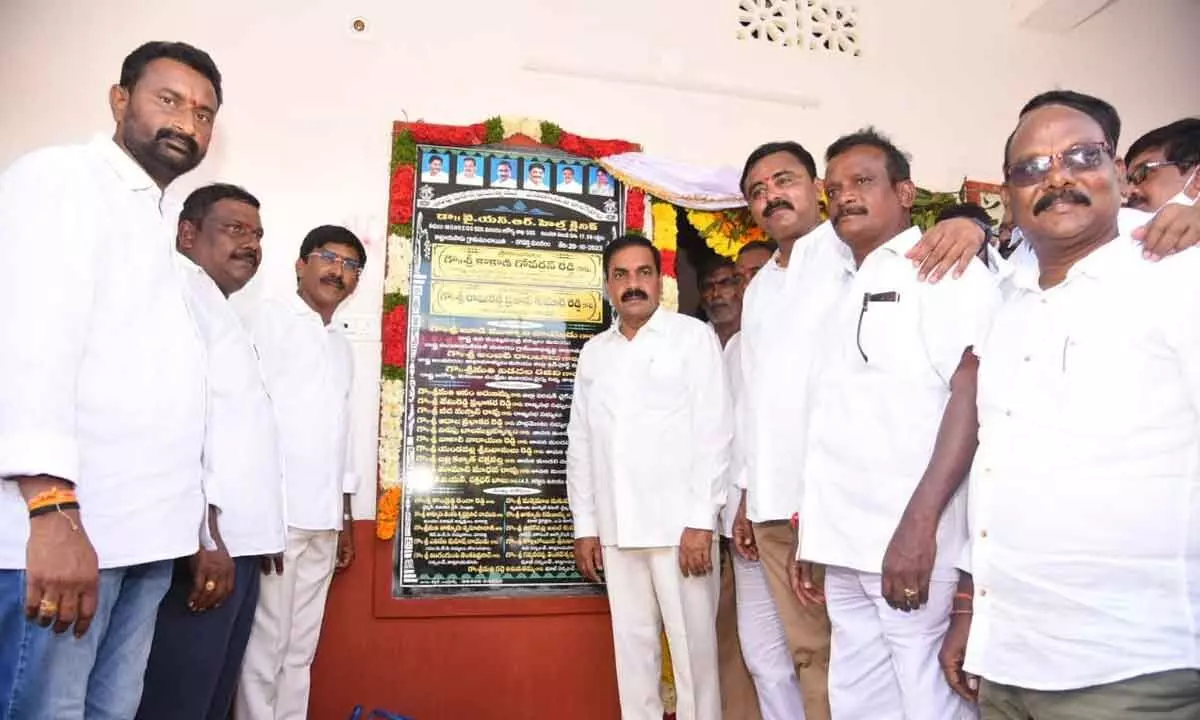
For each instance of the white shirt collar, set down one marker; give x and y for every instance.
(898, 245)
(134, 176)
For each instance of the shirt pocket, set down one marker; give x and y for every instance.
(888, 336)
(664, 389)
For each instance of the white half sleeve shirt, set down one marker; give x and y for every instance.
(879, 389)
(102, 369)
(649, 434)
(732, 355)
(243, 469)
(1085, 490)
(309, 370)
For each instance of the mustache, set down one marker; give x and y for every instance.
(168, 134)
(1066, 195)
(634, 294)
(334, 280)
(848, 210)
(774, 205)
(246, 254)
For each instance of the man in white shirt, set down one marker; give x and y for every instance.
(536, 178)
(468, 172)
(567, 182)
(433, 171)
(1164, 166)
(781, 317)
(101, 396)
(601, 184)
(308, 368)
(1084, 511)
(200, 636)
(504, 175)
(886, 521)
(757, 677)
(648, 449)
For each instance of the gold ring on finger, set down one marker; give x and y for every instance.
(210, 586)
(910, 593)
(47, 608)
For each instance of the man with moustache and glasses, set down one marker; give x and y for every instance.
(1164, 166)
(308, 367)
(647, 455)
(890, 439)
(204, 622)
(101, 396)
(1084, 510)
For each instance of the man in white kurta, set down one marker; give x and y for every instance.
(648, 446)
(1084, 500)
(882, 382)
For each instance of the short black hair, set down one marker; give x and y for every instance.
(795, 149)
(1102, 112)
(626, 241)
(1180, 143)
(324, 235)
(965, 210)
(769, 245)
(195, 58)
(202, 199)
(706, 271)
(898, 168)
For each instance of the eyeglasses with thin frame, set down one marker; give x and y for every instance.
(328, 257)
(1077, 158)
(1138, 175)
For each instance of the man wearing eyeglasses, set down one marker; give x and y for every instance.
(308, 366)
(1164, 166)
(1085, 515)
(887, 522)
(204, 621)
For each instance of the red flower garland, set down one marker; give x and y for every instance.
(668, 262)
(457, 135)
(635, 210)
(401, 198)
(576, 145)
(395, 336)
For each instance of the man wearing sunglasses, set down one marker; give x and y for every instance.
(308, 366)
(1083, 597)
(1163, 166)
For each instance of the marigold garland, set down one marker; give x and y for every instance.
(666, 234)
(387, 513)
(727, 231)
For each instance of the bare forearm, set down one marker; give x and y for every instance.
(957, 438)
(32, 485)
(347, 513)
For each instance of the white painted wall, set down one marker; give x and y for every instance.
(309, 104)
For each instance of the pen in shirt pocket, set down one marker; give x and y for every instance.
(868, 298)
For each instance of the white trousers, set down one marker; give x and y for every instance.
(646, 592)
(275, 674)
(883, 663)
(764, 644)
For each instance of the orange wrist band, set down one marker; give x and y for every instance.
(53, 497)
(963, 596)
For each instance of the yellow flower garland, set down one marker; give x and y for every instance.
(666, 235)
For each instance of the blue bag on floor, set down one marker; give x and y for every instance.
(376, 714)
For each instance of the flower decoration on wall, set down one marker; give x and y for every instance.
(726, 231)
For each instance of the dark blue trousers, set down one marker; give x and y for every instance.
(196, 657)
